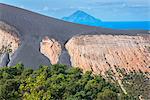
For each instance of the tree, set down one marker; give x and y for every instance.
(137, 85)
(107, 94)
(57, 82)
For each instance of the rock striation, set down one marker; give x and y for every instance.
(9, 41)
(99, 53)
(51, 49)
(33, 27)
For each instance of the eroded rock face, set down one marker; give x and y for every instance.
(9, 39)
(99, 53)
(51, 49)
(9, 42)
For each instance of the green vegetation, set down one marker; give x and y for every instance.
(59, 82)
(137, 85)
(5, 49)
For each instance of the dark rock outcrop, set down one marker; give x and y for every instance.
(4, 59)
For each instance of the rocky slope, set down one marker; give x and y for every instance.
(99, 53)
(9, 42)
(8, 37)
(41, 40)
(51, 49)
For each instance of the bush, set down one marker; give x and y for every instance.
(52, 82)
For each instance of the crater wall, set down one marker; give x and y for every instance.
(99, 53)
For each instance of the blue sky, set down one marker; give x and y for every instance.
(106, 10)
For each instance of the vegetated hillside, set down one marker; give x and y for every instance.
(33, 27)
(59, 82)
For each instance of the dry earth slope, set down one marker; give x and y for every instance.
(36, 39)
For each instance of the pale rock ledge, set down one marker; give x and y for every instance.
(51, 49)
(99, 53)
(9, 39)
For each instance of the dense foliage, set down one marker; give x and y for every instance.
(137, 85)
(57, 82)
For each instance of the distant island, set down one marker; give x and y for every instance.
(82, 17)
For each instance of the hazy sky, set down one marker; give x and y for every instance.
(106, 10)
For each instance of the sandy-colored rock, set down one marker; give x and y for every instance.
(99, 53)
(51, 49)
(8, 38)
